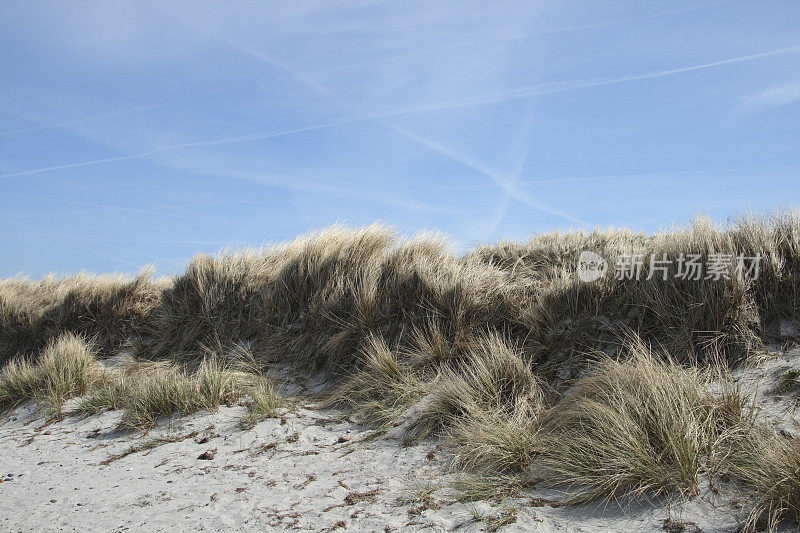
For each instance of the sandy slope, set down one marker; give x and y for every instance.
(310, 470)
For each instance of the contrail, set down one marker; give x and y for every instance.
(123, 112)
(562, 29)
(672, 173)
(557, 87)
(475, 100)
(76, 165)
(73, 243)
(507, 186)
(611, 177)
(23, 253)
(101, 206)
(213, 142)
(514, 178)
(518, 148)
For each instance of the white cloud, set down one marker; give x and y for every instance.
(775, 96)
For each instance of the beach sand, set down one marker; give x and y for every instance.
(310, 469)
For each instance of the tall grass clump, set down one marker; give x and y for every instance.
(694, 319)
(106, 309)
(382, 390)
(147, 390)
(164, 389)
(494, 381)
(66, 368)
(314, 301)
(641, 426)
(490, 444)
(767, 466)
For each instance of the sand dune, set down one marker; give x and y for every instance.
(309, 469)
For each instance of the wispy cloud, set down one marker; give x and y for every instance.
(506, 181)
(301, 183)
(155, 151)
(128, 111)
(16, 250)
(508, 192)
(558, 87)
(522, 92)
(769, 98)
(515, 160)
(507, 37)
(72, 242)
(100, 206)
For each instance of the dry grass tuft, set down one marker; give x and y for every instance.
(106, 309)
(262, 402)
(66, 368)
(767, 465)
(164, 389)
(382, 390)
(494, 381)
(630, 428)
(149, 390)
(495, 445)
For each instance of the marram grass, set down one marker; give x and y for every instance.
(610, 389)
(146, 391)
(66, 368)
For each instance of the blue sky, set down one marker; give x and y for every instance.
(136, 133)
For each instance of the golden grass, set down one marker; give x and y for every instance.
(66, 368)
(767, 466)
(381, 391)
(262, 402)
(494, 445)
(315, 300)
(146, 391)
(105, 309)
(494, 380)
(495, 350)
(630, 428)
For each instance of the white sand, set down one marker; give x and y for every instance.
(53, 479)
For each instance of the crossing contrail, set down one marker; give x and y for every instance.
(507, 186)
(522, 92)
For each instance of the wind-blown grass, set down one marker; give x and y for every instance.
(66, 368)
(381, 391)
(315, 300)
(495, 350)
(106, 309)
(262, 402)
(146, 391)
(494, 380)
(633, 427)
(767, 465)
